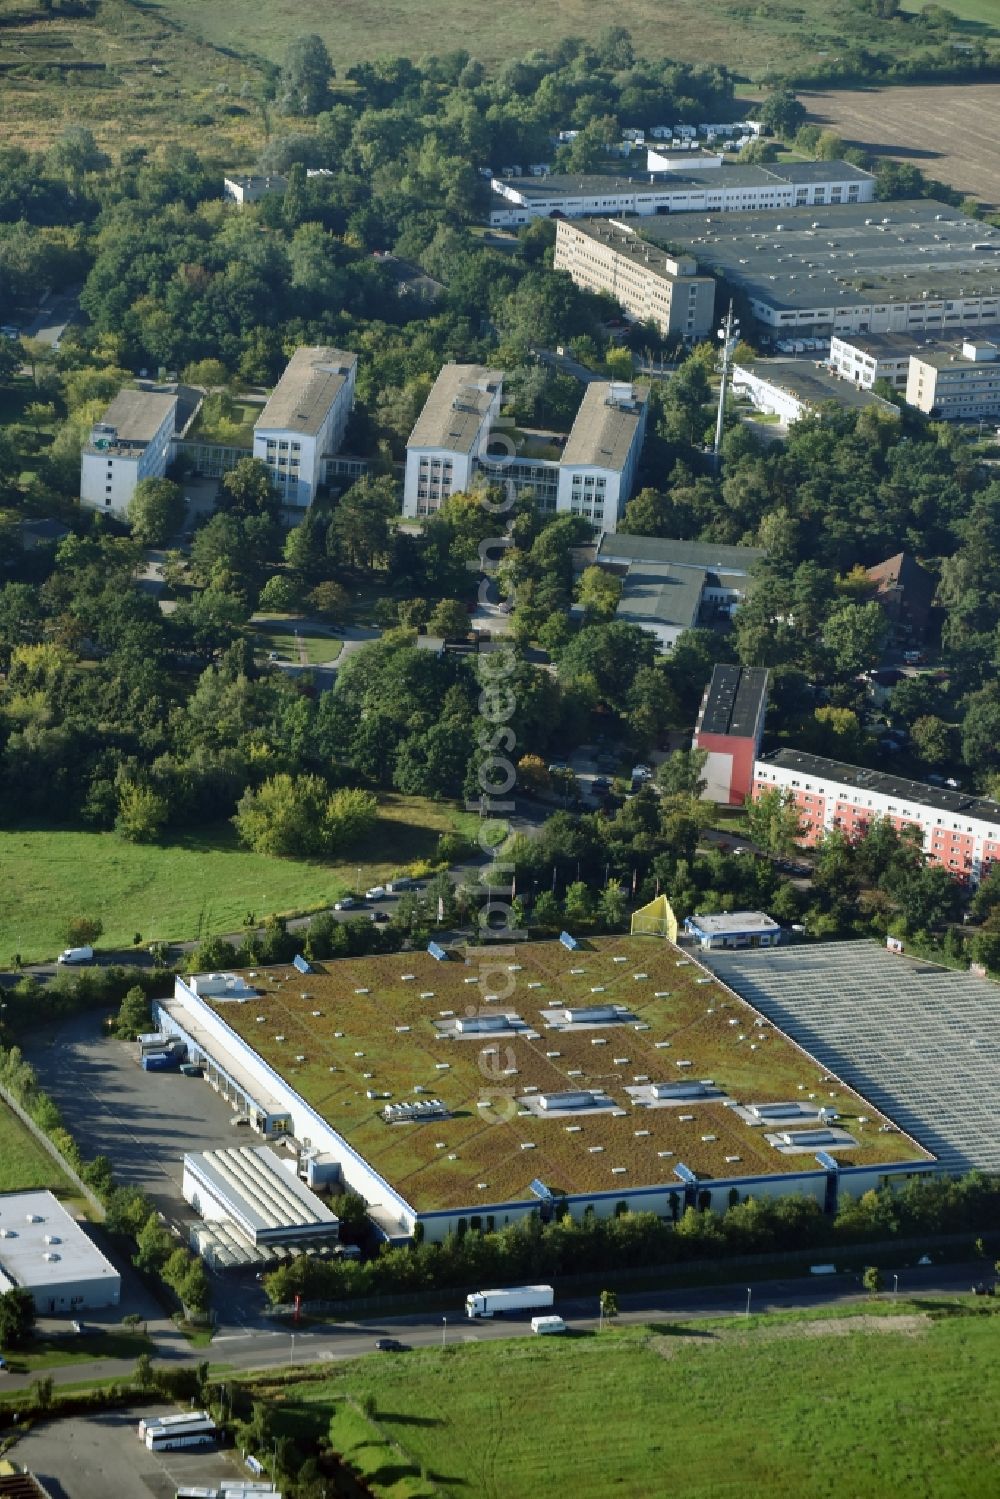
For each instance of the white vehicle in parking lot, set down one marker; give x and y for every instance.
(346, 903)
(377, 892)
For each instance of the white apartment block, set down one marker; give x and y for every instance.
(959, 832)
(132, 441)
(712, 188)
(459, 440)
(304, 421)
(957, 382)
(450, 436)
(604, 255)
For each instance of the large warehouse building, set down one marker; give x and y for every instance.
(479, 1090)
(915, 265)
(254, 1206)
(45, 1251)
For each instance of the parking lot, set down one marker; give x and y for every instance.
(144, 1122)
(101, 1456)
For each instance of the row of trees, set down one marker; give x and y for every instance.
(532, 1251)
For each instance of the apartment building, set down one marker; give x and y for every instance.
(459, 440)
(713, 188)
(957, 381)
(132, 441)
(651, 285)
(304, 421)
(959, 832)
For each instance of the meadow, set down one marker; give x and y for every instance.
(25, 1166)
(197, 886)
(878, 1402)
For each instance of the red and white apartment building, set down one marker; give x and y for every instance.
(960, 832)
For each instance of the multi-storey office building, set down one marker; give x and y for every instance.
(304, 421)
(957, 381)
(132, 441)
(652, 286)
(458, 440)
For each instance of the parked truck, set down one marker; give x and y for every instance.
(161, 1061)
(514, 1299)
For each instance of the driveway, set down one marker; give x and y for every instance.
(144, 1121)
(53, 317)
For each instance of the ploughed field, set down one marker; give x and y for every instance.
(950, 131)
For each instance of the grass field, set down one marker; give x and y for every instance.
(78, 1348)
(24, 1165)
(951, 132)
(193, 888)
(290, 634)
(863, 1406)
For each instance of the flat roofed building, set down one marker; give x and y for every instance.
(793, 388)
(304, 420)
(670, 586)
(867, 357)
(913, 265)
(730, 728)
(725, 189)
(457, 441)
(132, 441)
(250, 1189)
(46, 1252)
(250, 188)
(958, 831)
(958, 381)
(474, 1157)
(599, 462)
(733, 929)
(920, 1042)
(651, 286)
(450, 434)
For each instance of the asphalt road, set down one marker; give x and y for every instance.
(268, 1347)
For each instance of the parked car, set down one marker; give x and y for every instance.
(3, 1366)
(557, 767)
(377, 892)
(345, 903)
(391, 1345)
(379, 916)
(641, 773)
(76, 1326)
(71, 955)
(983, 1288)
(914, 658)
(600, 786)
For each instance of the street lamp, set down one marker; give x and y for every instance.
(291, 1354)
(600, 1315)
(444, 1331)
(895, 1285)
(749, 1294)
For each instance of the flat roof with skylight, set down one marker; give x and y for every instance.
(612, 1016)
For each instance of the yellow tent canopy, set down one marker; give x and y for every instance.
(655, 920)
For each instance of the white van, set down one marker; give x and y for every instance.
(76, 955)
(543, 1325)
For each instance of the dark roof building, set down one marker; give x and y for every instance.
(730, 728)
(905, 591)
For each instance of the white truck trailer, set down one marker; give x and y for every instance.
(514, 1299)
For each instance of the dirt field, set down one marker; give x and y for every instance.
(951, 132)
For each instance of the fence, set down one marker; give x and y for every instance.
(86, 1192)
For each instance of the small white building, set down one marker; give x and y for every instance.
(304, 421)
(793, 388)
(46, 1252)
(729, 929)
(250, 189)
(132, 441)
